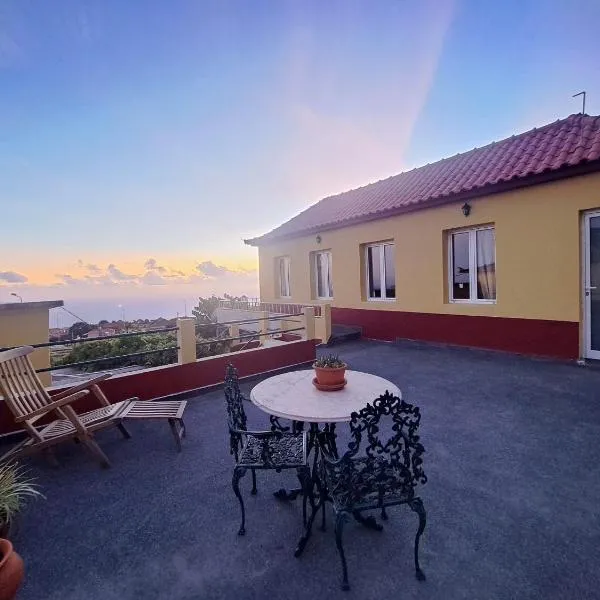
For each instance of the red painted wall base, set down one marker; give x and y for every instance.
(175, 379)
(556, 339)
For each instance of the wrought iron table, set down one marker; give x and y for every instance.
(293, 396)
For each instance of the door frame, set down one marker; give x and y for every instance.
(586, 291)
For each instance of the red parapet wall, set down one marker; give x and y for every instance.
(537, 337)
(175, 379)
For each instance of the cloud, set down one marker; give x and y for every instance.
(93, 269)
(68, 279)
(152, 265)
(117, 275)
(153, 274)
(209, 269)
(12, 277)
(153, 278)
(90, 267)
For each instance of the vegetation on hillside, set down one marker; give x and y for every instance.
(209, 342)
(118, 347)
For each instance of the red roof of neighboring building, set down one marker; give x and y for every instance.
(554, 151)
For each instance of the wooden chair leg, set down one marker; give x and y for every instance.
(93, 447)
(124, 431)
(177, 430)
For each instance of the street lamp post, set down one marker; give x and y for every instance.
(17, 296)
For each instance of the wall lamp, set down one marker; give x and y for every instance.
(466, 209)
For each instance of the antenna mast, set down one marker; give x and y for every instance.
(581, 94)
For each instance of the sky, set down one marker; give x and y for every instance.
(141, 142)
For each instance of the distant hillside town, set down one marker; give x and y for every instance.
(106, 328)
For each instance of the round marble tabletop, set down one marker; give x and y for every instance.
(293, 396)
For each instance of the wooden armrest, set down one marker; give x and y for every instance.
(52, 406)
(82, 386)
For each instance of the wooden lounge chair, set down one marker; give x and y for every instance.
(29, 402)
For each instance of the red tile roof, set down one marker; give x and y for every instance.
(556, 150)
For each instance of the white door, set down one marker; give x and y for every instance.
(591, 285)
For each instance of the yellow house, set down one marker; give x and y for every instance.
(25, 323)
(498, 248)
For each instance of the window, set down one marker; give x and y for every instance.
(473, 265)
(283, 276)
(381, 271)
(323, 278)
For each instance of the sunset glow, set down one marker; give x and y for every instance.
(141, 143)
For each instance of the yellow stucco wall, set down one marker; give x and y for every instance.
(538, 249)
(24, 327)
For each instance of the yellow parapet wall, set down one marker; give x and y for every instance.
(27, 323)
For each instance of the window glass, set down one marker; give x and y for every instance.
(461, 289)
(329, 276)
(284, 276)
(486, 264)
(320, 277)
(374, 270)
(390, 270)
(381, 272)
(323, 275)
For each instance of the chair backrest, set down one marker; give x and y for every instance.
(19, 384)
(392, 463)
(234, 401)
(236, 415)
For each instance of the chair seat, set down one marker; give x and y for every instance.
(91, 419)
(368, 483)
(285, 450)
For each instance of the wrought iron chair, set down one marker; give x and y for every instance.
(386, 475)
(277, 449)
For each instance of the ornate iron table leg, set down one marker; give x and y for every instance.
(314, 510)
(331, 438)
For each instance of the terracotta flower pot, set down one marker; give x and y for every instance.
(11, 571)
(328, 376)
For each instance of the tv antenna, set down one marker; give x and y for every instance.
(581, 94)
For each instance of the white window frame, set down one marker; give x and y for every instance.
(472, 231)
(316, 273)
(384, 296)
(285, 260)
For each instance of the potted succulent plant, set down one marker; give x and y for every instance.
(330, 370)
(11, 571)
(15, 487)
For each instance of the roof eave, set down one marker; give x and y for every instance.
(496, 188)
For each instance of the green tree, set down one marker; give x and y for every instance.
(209, 333)
(79, 329)
(205, 314)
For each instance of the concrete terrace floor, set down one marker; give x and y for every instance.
(513, 447)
